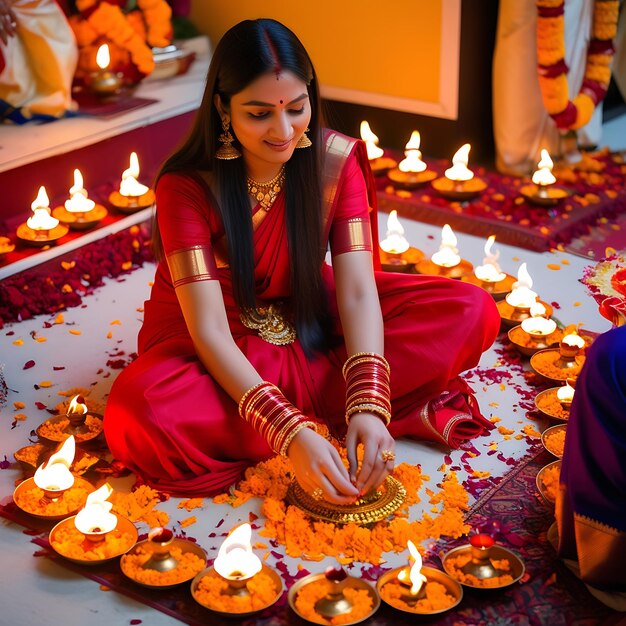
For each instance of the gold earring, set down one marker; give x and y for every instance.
(226, 152)
(304, 141)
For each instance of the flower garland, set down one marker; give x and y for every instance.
(130, 35)
(572, 114)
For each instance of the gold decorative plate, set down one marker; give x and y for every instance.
(387, 499)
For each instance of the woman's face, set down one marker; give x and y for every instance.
(268, 117)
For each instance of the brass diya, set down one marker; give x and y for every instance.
(80, 220)
(236, 590)
(487, 567)
(382, 165)
(535, 342)
(40, 238)
(373, 507)
(546, 495)
(164, 553)
(31, 457)
(51, 505)
(341, 603)
(411, 603)
(401, 262)
(548, 404)
(498, 290)
(459, 190)
(512, 315)
(545, 438)
(84, 426)
(124, 534)
(544, 195)
(132, 204)
(426, 266)
(563, 367)
(410, 180)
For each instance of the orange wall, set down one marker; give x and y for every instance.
(390, 48)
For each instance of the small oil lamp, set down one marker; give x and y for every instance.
(411, 172)
(446, 261)
(413, 580)
(104, 83)
(397, 255)
(537, 326)
(41, 228)
(569, 348)
(54, 477)
(95, 519)
(379, 163)
(132, 195)
(235, 562)
(542, 191)
(404, 587)
(516, 305)
(489, 275)
(565, 394)
(335, 602)
(79, 212)
(459, 182)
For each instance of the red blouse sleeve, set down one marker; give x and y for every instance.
(350, 230)
(183, 219)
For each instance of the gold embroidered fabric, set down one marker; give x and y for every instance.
(271, 323)
(352, 235)
(192, 264)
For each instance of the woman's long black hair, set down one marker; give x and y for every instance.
(248, 50)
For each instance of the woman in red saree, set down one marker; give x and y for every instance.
(250, 339)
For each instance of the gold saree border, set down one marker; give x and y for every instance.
(352, 235)
(192, 264)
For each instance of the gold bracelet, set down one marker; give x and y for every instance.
(247, 393)
(369, 408)
(379, 358)
(292, 434)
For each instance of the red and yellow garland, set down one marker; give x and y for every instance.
(572, 114)
(130, 36)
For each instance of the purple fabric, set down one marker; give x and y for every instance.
(593, 469)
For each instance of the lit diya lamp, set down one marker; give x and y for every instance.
(79, 212)
(94, 534)
(542, 191)
(132, 195)
(418, 589)
(411, 172)
(459, 182)
(532, 334)
(53, 492)
(397, 255)
(489, 276)
(95, 519)
(516, 305)
(54, 477)
(379, 163)
(565, 394)
(231, 577)
(41, 228)
(559, 364)
(104, 83)
(446, 261)
(482, 564)
(569, 349)
(78, 422)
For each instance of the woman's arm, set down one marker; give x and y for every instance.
(362, 322)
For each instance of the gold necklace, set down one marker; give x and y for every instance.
(265, 193)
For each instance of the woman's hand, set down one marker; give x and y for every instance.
(318, 466)
(379, 451)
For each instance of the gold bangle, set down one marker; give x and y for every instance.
(247, 393)
(376, 358)
(369, 408)
(292, 434)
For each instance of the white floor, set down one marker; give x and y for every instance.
(35, 591)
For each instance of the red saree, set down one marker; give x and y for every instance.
(170, 422)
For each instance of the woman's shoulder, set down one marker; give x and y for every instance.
(191, 183)
(338, 143)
